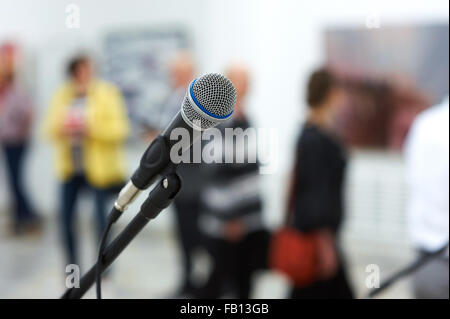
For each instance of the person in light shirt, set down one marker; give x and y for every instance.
(427, 172)
(16, 119)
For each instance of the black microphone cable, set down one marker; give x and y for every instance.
(112, 218)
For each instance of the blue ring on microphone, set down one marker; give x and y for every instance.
(202, 108)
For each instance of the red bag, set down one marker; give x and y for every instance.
(295, 255)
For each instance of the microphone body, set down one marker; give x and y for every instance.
(209, 100)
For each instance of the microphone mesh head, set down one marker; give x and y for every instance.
(216, 96)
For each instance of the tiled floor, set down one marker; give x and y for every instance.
(33, 267)
(375, 233)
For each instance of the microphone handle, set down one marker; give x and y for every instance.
(157, 155)
(155, 160)
(178, 123)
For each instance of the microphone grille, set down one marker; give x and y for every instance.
(192, 116)
(210, 100)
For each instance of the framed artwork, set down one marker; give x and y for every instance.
(137, 62)
(392, 73)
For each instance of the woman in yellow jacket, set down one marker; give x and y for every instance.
(88, 125)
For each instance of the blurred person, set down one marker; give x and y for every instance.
(88, 125)
(231, 209)
(186, 203)
(427, 172)
(16, 115)
(316, 194)
(181, 72)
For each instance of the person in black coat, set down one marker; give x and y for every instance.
(317, 191)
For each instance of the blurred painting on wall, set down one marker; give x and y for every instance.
(137, 61)
(392, 74)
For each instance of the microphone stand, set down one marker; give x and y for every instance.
(158, 199)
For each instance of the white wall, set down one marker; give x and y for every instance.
(281, 41)
(40, 27)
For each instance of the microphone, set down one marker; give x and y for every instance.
(209, 100)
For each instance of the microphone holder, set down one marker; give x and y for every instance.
(158, 199)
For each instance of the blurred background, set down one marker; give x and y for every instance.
(393, 56)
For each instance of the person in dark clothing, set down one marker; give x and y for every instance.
(186, 211)
(317, 191)
(231, 210)
(186, 203)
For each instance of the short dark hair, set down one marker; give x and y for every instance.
(320, 83)
(74, 62)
